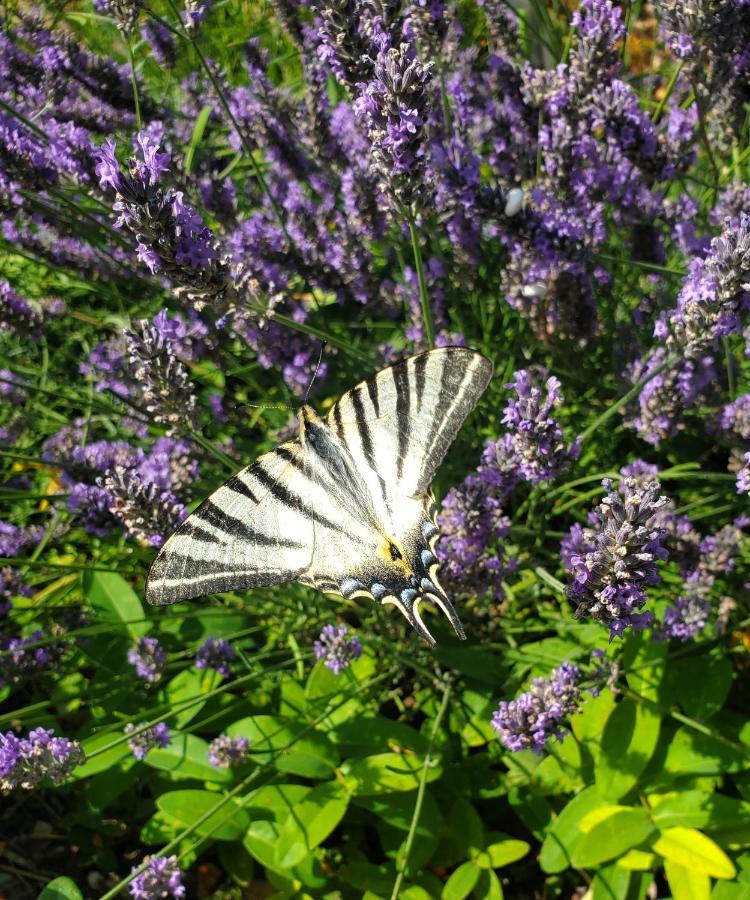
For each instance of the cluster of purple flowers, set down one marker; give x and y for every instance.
(539, 714)
(225, 752)
(161, 878)
(22, 657)
(26, 762)
(217, 654)
(614, 559)
(149, 659)
(336, 648)
(146, 738)
(472, 520)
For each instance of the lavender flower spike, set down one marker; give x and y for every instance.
(147, 512)
(225, 752)
(336, 649)
(539, 714)
(161, 878)
(149, 659)
(26, 762)
(146, 740)
(215, 653)
(615, 558)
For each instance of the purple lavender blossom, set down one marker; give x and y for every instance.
(225, 752)
(534, 449)
(614, 559)
(148, 513)
(336, 648)
(25, 763)
(539, 714)
(162, 44)
(149, 659)
(743, 476)
(472, 525)
(12, 388)
(215, 653)
(683, 621)
(156, 736)
(393, 106)
(17, 315)
(161, 878)
(171, 236)
(14, 539)
(124, 12)
(11, 585)
(163, 381)
(19, 658)
(735, 417)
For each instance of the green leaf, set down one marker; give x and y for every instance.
(461, 882)
(189, 685)
(268, 808)
(310, 822)
(186, 756)
(465, 827)
(488, 886)
(290, 745)
(564, 834)
(695, 851)
(628, 743)
(385, 772)
(481, 665)
(60, 889)
(159, 829)
(237, 863)
(118, 755)
(197, 136)
(619, 830)
(115, 601)
(503, 853)
(643, 662)
(397, 810)
(698, 809)
(610, 883)
(364, 736)
(691, 752)
(588, 724)
(686, 884)
(227, 824)
(325, 691)
(701, 690)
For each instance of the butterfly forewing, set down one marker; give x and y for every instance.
(255, 530)
(401, 423)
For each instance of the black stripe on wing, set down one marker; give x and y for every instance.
(290, 500)
(403, 404)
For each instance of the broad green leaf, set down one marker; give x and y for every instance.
(503, 853)
(397, 810)
(465, 827)
(363, 736)
(621, 830)
(563, 772)
(186, 756)
(197, 136)
(643, 661)
(691, 752)
(563, 835)
(385, 772)
(478, 664)
(310, 822)
(686, 884)
(638, 861)
(227, 824)
(695, 851)
(588, 724)
(60, 889)
(268, 807)
(290, 745)
(237, 863)
(159, 829)
(701, 690)
(698, 809)
(119, 755)
(461, 882)
(730, 890)
(488, 886)
(335, 694)
(189, 684)
(610, 883)
(628, 742)
(115, 601)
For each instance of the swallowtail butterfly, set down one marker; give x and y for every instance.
(346, 507)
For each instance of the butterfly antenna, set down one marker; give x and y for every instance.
(264, 406)
(315, 373)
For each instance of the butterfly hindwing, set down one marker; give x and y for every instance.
(401, 422)
(255, 530)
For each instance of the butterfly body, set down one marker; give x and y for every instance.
(346, 508)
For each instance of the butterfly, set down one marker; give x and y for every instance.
(346, 508)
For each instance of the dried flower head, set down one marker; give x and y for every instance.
(161, 878)
(215, 653)
(225, 752)
(155, 736)
(336, 648)
(149, 659)
(28, 761)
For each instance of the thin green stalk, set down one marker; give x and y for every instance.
(227, 461)
(420, 795)
(423, 298)
(625, 399)
(667, 93)
(134, 82)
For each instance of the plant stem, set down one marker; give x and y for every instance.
(423, 298)
(420, 795)
(134, 82)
